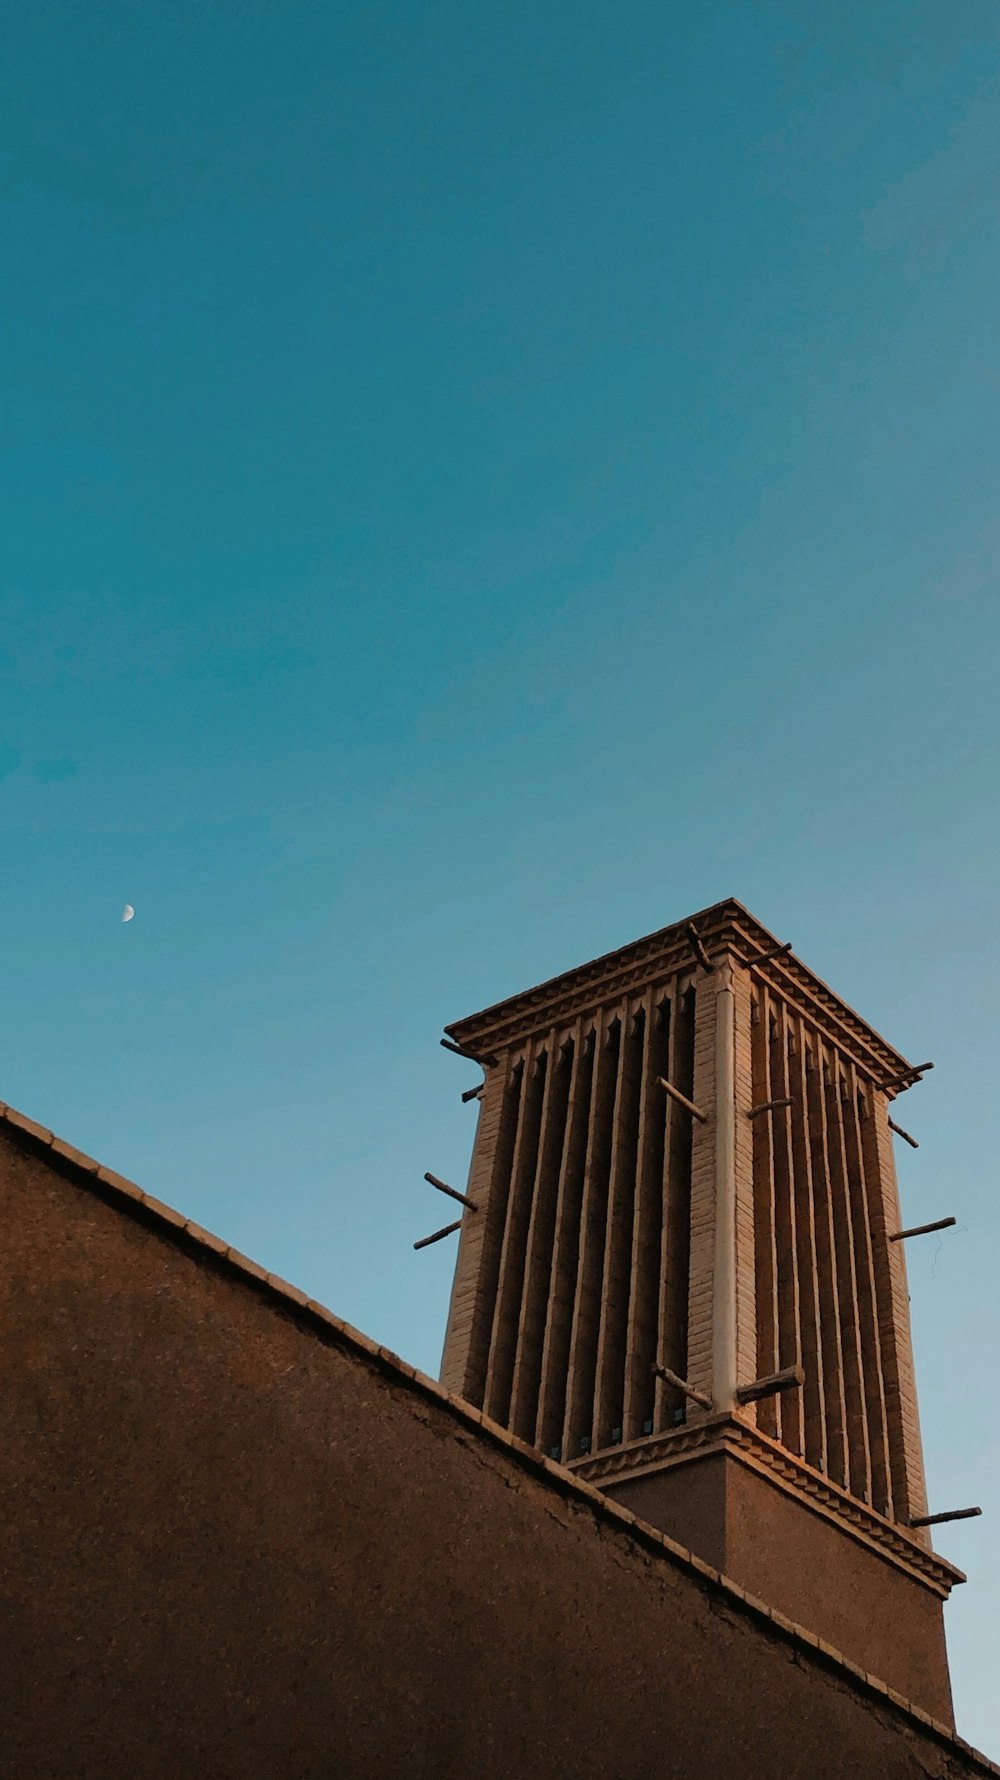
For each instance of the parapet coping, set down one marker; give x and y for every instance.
(124, 1194)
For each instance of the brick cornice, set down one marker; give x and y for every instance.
(732, 1436)
(661, 955)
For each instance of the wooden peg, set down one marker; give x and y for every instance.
(933, 1520)
(787, 1380)
(696, 943)
(447, 1231)
(766, 957)
(768, 1106)
(682, 1099)
(907, 1079)
(921, 1229)
(443, 1187)
(460, 1051)
(905, 1135)
(472, 1094)
(681, 1384)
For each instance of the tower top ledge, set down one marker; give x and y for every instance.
(726, 926)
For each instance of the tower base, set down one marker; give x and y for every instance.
(784, 1532)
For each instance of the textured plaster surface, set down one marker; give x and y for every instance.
(237, 1539)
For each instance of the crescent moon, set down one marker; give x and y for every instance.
(128, 912)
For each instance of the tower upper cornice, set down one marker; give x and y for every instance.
(725, 926)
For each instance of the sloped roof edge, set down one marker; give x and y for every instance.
(130, 1199)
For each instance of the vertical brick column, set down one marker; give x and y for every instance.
(746, 1283)
(468, 1305)
(722, 1340)
(562, 1288)
(724, 1373)
(701, 1278)
(909, 1490)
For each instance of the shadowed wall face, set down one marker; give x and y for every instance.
(843, 1589)
(583, 1166)
(830, 1285)
(234, 1544)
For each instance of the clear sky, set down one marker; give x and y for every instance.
(481, 483)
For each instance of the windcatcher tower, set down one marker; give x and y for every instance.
(620, 1227)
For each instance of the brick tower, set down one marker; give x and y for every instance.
(683, 1186)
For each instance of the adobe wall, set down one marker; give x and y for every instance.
(235, 1543)
(806, 1566)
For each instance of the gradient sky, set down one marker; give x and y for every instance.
(481, 483)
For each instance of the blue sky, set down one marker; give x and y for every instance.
(478, 485)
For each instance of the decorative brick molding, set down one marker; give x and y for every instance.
(737, 1438)
(634, 967)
